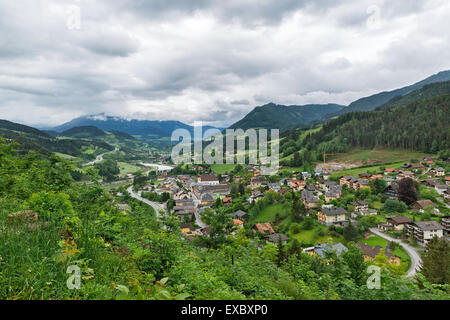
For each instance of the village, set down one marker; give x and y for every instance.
(364, 208)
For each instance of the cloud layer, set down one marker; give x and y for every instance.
(209, 60)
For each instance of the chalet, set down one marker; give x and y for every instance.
(257, 182)
(370, 253)
(360, 205)
(395, 223)
(277, 237)
(348, 181)
(447, 180)
(422, 204)
(445, 223)
(329, 184)
(274, 187)
(333, 193)
(207, 199)
(310, 187)
(424, 231)
(309, 199)
(263, 228)
(326, 249)
(329, 216)
(437, 172)
(360, 183)
(392, 191)
(239, 215)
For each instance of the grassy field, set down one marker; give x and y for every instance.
(358, 170)
(268, 213)
(126, 168)
(379, 155)
(312, 237)
(65, 156)
(222, 168)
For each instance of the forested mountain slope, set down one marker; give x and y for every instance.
(273, 116)
(422, 125)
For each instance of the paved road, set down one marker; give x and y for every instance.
(198, 219)
(416, 260)
(154, 205)
(99, 158)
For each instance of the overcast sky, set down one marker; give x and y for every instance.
(211, 60)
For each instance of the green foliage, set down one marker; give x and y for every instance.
(436, 261)
(133, 255)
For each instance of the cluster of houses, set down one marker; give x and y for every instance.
(324, 250)
(420, 231)
(192, 195)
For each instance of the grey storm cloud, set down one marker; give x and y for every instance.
(209, 60)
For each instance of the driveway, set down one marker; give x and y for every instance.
(154, 205)
(416, 260)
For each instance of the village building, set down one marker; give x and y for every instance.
(424, 231)
(437, 172)
(368, 212)
(395, 223)
(325, 249)
(208, 179)
(257, 182)
(309, 199)
(440, 188)
(360, 205)
(422, 204)
(277, 237)
(348, 181)
(445, 223)
(371, 252)
(392, 191)
(263, 228)
(241, 215)
(330, 216)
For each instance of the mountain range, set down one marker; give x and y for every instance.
(288, 117)
(143, 129)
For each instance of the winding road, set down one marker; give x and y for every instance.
(99, 158)
(156, 206)
(416, 260)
